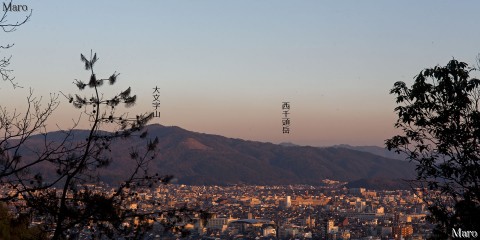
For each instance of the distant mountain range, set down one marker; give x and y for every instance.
(380, 151)
(379, 184)
(206, 159)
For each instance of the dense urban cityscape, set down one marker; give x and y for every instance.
(330, 211)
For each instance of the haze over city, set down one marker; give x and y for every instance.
(226, 67)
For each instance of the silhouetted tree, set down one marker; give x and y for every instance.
(18, 228)
(65, 198)
(75, 206)
(440, 120)
(9, 26)
(16, 128)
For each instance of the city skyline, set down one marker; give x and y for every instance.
(225, 68)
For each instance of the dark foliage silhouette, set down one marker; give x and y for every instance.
(18, 228)
(440, 120)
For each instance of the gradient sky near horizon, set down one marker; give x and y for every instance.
(225, 67)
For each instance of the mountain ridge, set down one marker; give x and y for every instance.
(207, 159)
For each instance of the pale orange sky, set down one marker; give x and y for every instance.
(226, 67)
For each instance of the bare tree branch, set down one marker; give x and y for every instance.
(7, 27)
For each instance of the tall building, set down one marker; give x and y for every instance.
(330, 229)
(330, 225)
(309, 222)
(400, 232)
(288, 202)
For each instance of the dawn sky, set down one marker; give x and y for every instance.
(225, 67)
